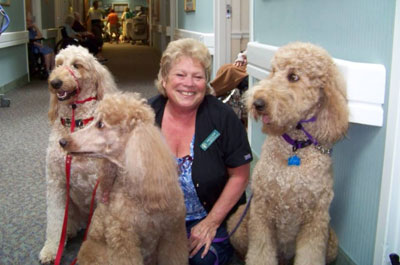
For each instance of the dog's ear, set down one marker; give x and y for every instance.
(333, 119)
(151, 167)
(105, 81)
(53, 108)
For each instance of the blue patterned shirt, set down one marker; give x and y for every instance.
(194, 209)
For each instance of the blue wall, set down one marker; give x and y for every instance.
(13, 59)
(199, 21)
(355, 30)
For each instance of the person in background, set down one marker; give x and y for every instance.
(89, 37)
(35, 36)
(82, 37)
(95, 18)
(230, 76)
(209, 143)
(112, 19)
(127, 24)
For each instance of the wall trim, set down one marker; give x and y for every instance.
(206, 38)
(14, 84)
(240, 35)
(365, 82)
(9, 39)
(51, 33)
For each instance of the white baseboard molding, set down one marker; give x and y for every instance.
(366, 83)
(9, 39)
(206, 38)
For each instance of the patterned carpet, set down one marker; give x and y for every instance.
(24, 134)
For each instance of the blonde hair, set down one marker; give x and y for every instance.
(183, 47)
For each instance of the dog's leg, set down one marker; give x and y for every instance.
(94, 249)
(311, 242)
(173, 247)
(55, 212)
(123, 243)
(262, 242)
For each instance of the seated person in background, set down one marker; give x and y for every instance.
(84, 38)
(35, 35)
(112, 19)
(214, 173)
(230, 76)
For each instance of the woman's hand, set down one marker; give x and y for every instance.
(201, 235)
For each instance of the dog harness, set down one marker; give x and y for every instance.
(298, 144)
(72, 123)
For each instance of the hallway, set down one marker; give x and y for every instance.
(24, 134)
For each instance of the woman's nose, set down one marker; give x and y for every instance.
(189, 81)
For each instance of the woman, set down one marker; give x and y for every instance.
(95, 17)
(35, 36)
(127, 21)
(83, 37)
(209, 143)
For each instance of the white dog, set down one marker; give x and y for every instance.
(76, 85)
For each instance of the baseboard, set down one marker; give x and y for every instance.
(14, 84)
(343, 259)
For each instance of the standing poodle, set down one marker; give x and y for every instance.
(76, 86)
(303, 108)
(143, 219)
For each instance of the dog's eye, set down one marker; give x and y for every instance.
(100, 124)
(293, 77)
(75, 65)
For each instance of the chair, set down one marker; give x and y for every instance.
(37, 65)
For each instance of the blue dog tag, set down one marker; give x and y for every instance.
(294, 161)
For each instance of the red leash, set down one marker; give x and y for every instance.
(68, 176)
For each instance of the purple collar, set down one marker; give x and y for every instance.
(297, 144)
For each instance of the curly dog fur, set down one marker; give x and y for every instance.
(76, 69)
(289, 214)
(144, 220)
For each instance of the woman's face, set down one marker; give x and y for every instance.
(185, 84)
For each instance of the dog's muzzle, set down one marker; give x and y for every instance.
(61, 94)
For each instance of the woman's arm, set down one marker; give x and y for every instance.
(38, 33)
(204, 232)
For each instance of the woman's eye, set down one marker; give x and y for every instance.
(100, 124)
(293, 77)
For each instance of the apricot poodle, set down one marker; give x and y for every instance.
(143, 219)
(303, 108)
(76, 86)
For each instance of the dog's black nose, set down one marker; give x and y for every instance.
(56, 83)
(259, 104)
(63, 142)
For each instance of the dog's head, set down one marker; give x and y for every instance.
(116, 117)
(304, 82)
(77, 75)
(124, 133)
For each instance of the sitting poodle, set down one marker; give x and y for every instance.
(303, 108)
(76, 86)
(143, 219)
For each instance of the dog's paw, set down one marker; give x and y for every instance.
(47, 255)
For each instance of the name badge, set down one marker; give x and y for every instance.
(209, 140)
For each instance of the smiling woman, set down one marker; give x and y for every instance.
(210, 146)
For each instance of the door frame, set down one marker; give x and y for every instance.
(388, 224)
